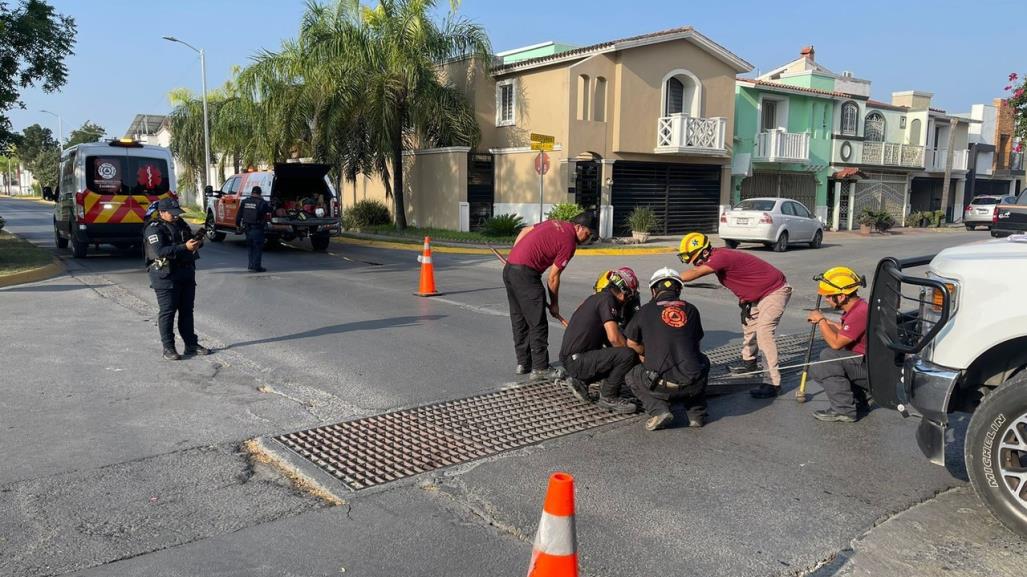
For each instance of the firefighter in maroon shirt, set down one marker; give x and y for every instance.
(762, 291)
(549, 244)
(844, 378)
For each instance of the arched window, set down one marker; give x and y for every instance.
(850, 118)
(873, 127)
(682, 94)
(599, 101)
(584, 87)
(914, 132)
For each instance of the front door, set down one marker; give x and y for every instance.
(587, 186)
(481, 189)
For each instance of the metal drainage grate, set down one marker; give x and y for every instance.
(381, 449)
(791, 350)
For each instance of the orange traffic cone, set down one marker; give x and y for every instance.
(555, 553)
(427, 288)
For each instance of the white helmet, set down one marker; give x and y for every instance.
(665, 274)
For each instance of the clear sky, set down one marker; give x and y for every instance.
(961, 51)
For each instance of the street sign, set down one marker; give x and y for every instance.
(543, 142)
(542, 163)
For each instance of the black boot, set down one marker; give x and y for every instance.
(750, 366)
(172, 355)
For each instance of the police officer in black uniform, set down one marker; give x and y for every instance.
(252, 214)
(171, 253)
(667, 333)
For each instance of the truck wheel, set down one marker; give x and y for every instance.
(212, 231)
(996, 453)
(730, 243)
(60, 240)
(970, 227)
(320, 242)
(78, 248)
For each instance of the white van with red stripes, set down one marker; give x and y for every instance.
(103, 191)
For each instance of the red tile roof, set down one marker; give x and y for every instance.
(757, 82)
(848, 173)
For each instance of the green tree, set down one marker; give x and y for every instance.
(33, 140)
(34, 41)
(88, 132)
(44, 166)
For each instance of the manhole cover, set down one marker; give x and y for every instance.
(385, 448)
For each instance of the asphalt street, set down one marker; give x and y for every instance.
(119, 463)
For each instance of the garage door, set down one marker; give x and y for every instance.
(794, 185)
(686, 197)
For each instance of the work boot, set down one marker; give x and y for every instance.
(544, 374)
(578, 388)
(696, 422)
(830, 416)
(750, 366)
(522, 370)
(660, 421)
(765, 391)
(172, 355)
(197, 350)
(617, 405)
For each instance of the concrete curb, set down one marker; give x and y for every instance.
(416, 246)
(51, 270)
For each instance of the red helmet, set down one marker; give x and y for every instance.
(629, 281)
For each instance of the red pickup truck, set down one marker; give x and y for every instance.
(303, 204)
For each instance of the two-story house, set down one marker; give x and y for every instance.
(640, 121)
(994, 168)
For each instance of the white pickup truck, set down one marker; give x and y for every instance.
(955, 340)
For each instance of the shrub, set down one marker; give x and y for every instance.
(366, 213)
(564, 211)
(868, 217)
(503, 225)
(2, 222)
(884, 221)
(643, 219)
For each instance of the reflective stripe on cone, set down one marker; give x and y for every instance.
(555, 551)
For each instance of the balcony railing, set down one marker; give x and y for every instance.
(937, 157)
(1015, 162)
(893, 154)
(780, 146)
(683, 134)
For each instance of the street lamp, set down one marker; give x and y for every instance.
(60, 127)
(206, 122)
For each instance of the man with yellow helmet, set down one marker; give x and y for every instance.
(843, 379)
(763, 293)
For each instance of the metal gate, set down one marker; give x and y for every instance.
(794, 185)
(586, 185)
(481, 190)
(881, 191)
(686, 197)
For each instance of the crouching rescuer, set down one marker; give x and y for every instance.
(843, 371)
(594, 348)
(667, 334)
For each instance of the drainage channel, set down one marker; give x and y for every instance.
(384, 448)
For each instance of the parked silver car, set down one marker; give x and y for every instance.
(775, 222)
(981, 210)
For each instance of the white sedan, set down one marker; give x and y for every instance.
(774, 222)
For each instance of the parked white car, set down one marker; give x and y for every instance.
(775, 222)
(982, 210)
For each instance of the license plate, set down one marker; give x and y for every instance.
(741, 221)
(982, 211)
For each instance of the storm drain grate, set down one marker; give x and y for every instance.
(381, 449)
(385, 448)
(791, 350)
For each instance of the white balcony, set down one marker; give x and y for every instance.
(684, 134)
(893, 154)
(780, 146)
(937, 157)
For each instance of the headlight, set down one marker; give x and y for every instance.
(320, 212)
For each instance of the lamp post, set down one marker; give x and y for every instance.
(206, 121)
(60, 128)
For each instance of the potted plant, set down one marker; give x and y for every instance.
(867, 222)
(642, 221)
(884, 221)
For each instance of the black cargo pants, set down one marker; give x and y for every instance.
(611, 364)
(177, 299)
(527, 299)
(657, 398)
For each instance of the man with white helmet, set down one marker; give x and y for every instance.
(845, 378)
(594, 347)
(667, 334)
(763, 293)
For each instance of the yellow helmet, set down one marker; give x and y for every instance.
(602, 281)
(840, 280)
(692, 245)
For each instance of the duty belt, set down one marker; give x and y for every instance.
(669, 385)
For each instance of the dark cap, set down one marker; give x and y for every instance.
(585, 219)
(256, 190)
(169, 205)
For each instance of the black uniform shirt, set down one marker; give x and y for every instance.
(252, 211)
(586, 330)
(671, 331)
(167, 240)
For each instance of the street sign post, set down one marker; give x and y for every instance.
(542, 143)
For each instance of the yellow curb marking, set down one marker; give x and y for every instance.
(418, 247)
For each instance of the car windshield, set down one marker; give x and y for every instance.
(756, 204)
(984, 200)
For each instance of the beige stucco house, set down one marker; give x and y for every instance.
(641, 121)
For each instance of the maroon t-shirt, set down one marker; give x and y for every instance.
(550, 243)
(854, 326)
(749, 277)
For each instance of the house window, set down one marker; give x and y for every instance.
(682, 94)
(769, 116)
(599, 102)
(873, 127)
(584, 86)
(506, 103)
(850, 118)
(914, 132)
